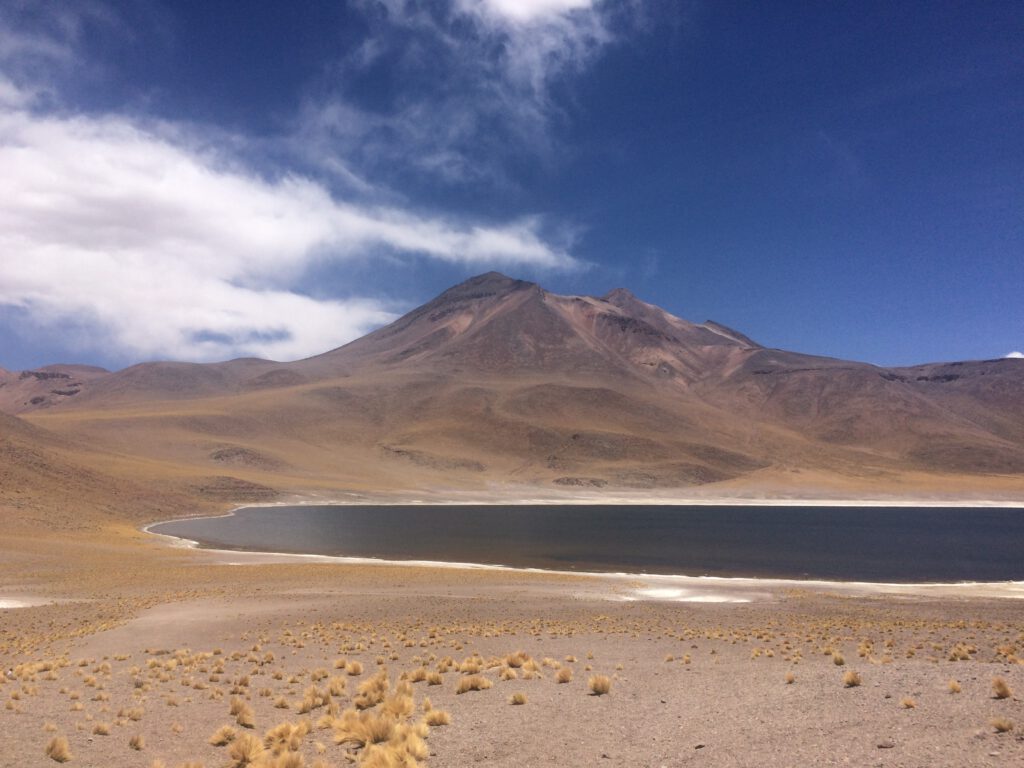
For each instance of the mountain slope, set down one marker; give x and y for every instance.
(499, 381)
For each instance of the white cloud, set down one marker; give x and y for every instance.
(160, 248)
(528, 10)
(488, 101)
(1016, 355)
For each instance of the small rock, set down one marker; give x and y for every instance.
(699, 746)
(886, 744)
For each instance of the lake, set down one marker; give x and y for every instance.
(887, 544)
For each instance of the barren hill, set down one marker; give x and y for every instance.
(499, 383)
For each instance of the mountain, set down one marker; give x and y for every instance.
(497, 382)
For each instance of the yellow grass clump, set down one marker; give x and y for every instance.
(137, 742)
(563, 675)
(837, 658)
(245, 750)
(354, 668)
(246, 717)
(285, 737)
(372, 691)
(336, 686)
(223, 736)
(517, 698)
(599, 684)
(1002, 725)
(101, 729)
(473, 683)
(790, 678)
(1000, 689)
(851, 679)
(363, 728)
(953, 686)
(908, 703)
(436, 717)
(57, 749)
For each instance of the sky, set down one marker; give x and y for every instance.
(202, 181)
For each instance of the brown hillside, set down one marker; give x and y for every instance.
(499, 383)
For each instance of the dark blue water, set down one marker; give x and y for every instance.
(895, 544)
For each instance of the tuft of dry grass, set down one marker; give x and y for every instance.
(1000, 689)
(137, 742)
(246, 717)
(473, 683)
(58, 750)
(563, 675)
(837, 658)
(599, 684)
(436, 717)
(336, 686)
(790, 678)
(953, 686)
(101, 729)
(372, 691)
(1002, 724)
(851, 679)
(354, 668)
(908, 703)
(245, 750)
(517, 698)
(223, 736)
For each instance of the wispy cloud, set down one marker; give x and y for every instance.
(488, 102)
(164, 247)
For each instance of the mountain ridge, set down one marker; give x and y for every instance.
(497, 380)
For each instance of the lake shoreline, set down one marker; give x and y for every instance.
(681, 587)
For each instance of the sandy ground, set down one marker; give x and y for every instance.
(137, 639)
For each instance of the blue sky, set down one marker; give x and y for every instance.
(200, 181)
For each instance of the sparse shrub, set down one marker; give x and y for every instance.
(473, 683)
(336, 686)
(436, 717)
(564, 675)
(851, 679)
(1000, 689)
(101, 729)
(223, 736)
(372, 691)
(434, 678)
(517, 698)
(354, 668)
(57, 749)
(599, 684)
(1002, 725)
(246, 717)
(246, 749)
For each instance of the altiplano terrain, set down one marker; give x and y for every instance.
(122, 649)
